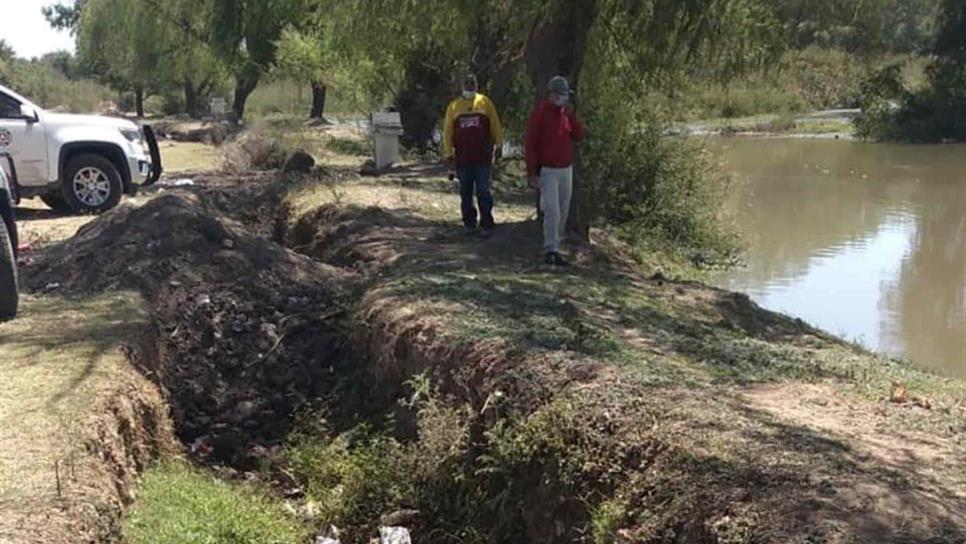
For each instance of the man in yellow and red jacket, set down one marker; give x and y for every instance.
(471, 131)
(551, 133)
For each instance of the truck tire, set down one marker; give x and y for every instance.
(9, 288)
(55, 201)
(91, 184)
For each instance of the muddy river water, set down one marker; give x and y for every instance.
(867, 241)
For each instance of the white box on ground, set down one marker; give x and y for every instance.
(218, 107)
(386, 130)
(394, 535)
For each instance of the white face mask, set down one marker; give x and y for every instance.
(469, 95)
(560, 100)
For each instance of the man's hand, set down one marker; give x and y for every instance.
(450, 162)
(497, 153)
(534, 182)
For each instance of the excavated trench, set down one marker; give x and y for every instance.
(247, 333)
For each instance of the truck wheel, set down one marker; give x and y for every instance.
(55, 201)
(92, 184)
(9, 289)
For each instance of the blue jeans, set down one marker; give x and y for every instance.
(475, 180)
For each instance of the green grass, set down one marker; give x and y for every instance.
(178, 505)
(349, 146)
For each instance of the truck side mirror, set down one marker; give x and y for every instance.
(29, 114)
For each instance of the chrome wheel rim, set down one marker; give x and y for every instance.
(92, 186)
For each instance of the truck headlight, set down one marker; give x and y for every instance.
(133, 135)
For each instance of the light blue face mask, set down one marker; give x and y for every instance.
(560, 100)
(469, 95)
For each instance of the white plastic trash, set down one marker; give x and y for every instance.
(386, 130)
(394, 535)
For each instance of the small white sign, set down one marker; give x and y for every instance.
(218, 107)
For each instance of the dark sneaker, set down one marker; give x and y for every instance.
(487, 233)
(554, 259)
(469, 231)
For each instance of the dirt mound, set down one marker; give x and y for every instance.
(248, 331)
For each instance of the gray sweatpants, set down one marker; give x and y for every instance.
(556, 187)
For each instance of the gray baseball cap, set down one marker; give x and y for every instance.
(559, 85)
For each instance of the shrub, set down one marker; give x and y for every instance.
(179, 504)
(254, 151)
(936, 112)
(825, 78)
(51, 89)
(657, 194)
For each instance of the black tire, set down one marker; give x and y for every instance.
(9, 287)
(91, 184)
(55, 201)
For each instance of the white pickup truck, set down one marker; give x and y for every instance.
(75, 163)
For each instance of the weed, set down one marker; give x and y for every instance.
(349, 146)
(605, 520)
(179, 504)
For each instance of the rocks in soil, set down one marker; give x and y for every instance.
(299, 162)
(246, 336)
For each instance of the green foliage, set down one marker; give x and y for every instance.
(931, 114)
(50, 88)
(352, 483)
(178, 504)
(655, 193)
(152, 48)
(353, 478)
(7, 53)
(64, 17)
(856, 26)
(826, 78)
(605, 520)
(350, 146)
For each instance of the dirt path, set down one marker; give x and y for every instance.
(880, 438)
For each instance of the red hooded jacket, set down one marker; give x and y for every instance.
(551, 134)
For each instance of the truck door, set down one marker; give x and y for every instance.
(24, 140)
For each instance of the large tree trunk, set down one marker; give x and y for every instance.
(556, 47)
(139, 102)
(319, 92)
(421, 102)
(243, 89)
(190, 98)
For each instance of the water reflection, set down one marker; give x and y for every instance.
(865, 240)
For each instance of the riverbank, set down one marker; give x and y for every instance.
(833, 124)
(381, 366)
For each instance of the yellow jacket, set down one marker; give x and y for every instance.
(480, 103)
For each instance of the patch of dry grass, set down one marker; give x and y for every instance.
(189, 156)
(61, 363)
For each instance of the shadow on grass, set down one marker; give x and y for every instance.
(500, 288)
(75, 333)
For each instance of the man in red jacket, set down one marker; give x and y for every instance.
(551, 133)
